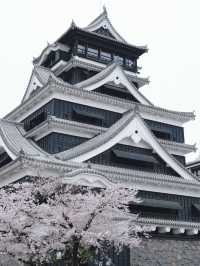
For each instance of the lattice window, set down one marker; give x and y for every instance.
(92, 52)
(105, 56)
(81, 49)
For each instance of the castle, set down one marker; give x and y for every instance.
(83, 117)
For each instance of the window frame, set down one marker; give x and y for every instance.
(104, 57)
(91, 54)
(81, 51)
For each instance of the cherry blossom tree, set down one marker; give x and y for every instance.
(44, 219)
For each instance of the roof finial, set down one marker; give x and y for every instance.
(73, 24)
(105, 10)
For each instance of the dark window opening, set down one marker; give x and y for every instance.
(166, 131)
(54, 57)
(135, 84)
(4, 159)
(162, 134)
(76, 75)
(63, 56)
(63, 109)
(36, 121)
(151, 207)
(87, 117)
(130, 63)
(179, 158)
(56, 142)
(151, 211)
(50, 60)
(143, 161)
(134, 158)
(195, 170)
(67, 76)
(116, 92)
(85, 74)
(196, 210)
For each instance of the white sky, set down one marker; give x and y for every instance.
(170, 28)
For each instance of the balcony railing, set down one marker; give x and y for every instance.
(104, 57)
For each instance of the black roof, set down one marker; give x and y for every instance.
(75, 33)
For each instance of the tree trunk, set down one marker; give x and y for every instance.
(75, 253)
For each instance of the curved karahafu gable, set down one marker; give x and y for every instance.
(88, 177)
(113, 73)
(12, 140)
(130, 125)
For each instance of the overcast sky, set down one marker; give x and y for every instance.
(170, 28)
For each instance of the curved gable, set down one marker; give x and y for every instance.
(87, 177)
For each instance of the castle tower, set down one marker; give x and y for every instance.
(83, 117)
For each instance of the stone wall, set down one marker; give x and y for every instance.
(166, 252)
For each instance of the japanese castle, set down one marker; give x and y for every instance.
(83, 117)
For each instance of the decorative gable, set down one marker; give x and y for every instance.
(102, 24)
(105, 32)
(131, 125)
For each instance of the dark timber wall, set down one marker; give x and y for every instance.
(54, 142)
(140, 159)
(188, 211)
(99, 117)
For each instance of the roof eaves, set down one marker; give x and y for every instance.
(144, 48)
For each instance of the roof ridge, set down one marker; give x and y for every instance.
(125, 104)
